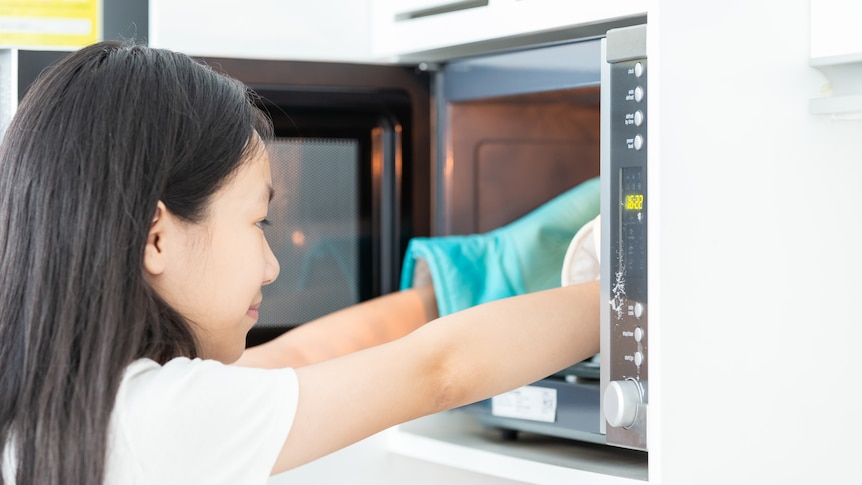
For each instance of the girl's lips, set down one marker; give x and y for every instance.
(253, 311)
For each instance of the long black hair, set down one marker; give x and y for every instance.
(98, 140)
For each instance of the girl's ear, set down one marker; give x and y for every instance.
(155, 258)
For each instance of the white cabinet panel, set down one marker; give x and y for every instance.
(835, 28)
(754, 229)
(456, 26)
(263, 29)
(836, 50)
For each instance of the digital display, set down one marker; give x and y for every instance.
(634, 202)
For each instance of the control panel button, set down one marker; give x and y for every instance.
(639, 94)
(639, 309)
(639, 359)
(639, 69)
(639, 118)
(620, 403)
(638, 142)
(639, 334)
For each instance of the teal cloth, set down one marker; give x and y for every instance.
(521, 257)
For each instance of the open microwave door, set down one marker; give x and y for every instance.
(351, 168)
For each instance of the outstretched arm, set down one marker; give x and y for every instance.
(458, 359)
(357, 327)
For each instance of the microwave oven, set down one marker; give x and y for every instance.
(366, 156)
(372, 155)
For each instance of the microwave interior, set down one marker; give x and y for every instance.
(515, 129)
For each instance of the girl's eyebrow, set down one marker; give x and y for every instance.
(269, 193)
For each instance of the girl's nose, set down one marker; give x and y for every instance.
(271, 266)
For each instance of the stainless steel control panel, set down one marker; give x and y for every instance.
(625, 202)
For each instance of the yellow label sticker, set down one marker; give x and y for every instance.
(49, 23)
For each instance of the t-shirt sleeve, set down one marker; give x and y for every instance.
(200, 421)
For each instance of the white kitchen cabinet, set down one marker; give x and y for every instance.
(835, 28)
(452, 448)
(455, 439)
(428, 30)
(836, 50)
(755, 211)
(337, 30)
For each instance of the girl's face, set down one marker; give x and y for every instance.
(212, 272)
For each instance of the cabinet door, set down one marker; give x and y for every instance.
(836, 50)
(835, 28)
(430, 30)
(320, 30)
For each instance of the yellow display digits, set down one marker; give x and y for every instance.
(634, 202)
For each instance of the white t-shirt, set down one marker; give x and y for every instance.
(199, 421)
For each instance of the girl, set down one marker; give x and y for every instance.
(134, 185)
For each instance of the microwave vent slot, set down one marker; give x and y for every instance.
(443, 8)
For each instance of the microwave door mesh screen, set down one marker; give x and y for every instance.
(315, 229)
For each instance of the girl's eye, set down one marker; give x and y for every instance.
(263, 223)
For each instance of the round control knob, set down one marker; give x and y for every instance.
(620, 403)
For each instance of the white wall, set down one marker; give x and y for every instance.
(835, 28)
(263, 29)
(755, 255)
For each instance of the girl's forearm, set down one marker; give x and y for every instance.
(360, 326)
(498, 346)
(457, 359)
